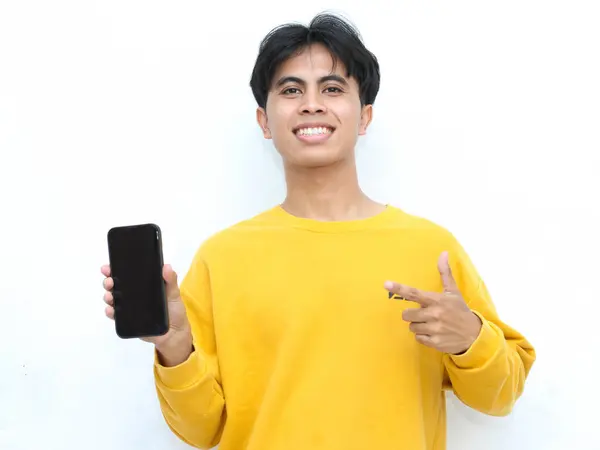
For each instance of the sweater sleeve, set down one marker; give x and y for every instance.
(490, 376)
(190, 394)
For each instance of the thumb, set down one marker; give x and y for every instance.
(170, 278)
(446, 273)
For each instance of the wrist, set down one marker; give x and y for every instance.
(176, 350)
(472, 333)
(474, 330)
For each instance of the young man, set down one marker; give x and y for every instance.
(329, 322)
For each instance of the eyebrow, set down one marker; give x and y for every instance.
(290, 79)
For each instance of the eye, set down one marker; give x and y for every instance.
(291, 91)
(333, 90)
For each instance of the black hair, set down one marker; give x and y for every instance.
(341, 39)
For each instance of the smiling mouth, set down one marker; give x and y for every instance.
(313, 131)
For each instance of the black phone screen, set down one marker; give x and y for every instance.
(136, 263)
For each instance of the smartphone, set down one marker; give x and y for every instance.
(139, 292)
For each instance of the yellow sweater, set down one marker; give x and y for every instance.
(298, 345)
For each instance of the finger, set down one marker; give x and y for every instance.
(171, 283)
(110, 312)
(426, 340)
(410, 293)
(418, 315)
(446, 273)
(108, 283)
(105, 269)
(421, 328)
(108, 298)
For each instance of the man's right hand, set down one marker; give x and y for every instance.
(176, 345)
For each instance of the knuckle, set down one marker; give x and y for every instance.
(425, 340)
(435, 313)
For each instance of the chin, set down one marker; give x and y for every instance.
(314, 157)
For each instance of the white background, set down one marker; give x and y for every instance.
(120, 112)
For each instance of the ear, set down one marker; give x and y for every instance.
(261, 118)
(366, 116)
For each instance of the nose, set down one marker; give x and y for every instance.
(312, 104)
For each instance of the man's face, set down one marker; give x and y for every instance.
(313, 115)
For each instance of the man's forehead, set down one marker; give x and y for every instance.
(315, 62)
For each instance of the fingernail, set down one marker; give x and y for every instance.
(388, 285)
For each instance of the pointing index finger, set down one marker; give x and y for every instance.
(409, 293)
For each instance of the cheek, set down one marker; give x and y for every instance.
(279, 122)
(279, 130)
(349, 114)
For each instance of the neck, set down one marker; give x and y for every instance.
(330, 193)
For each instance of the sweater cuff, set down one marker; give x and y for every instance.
(482, 350)
(183, 375)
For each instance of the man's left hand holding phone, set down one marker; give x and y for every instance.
(142, 294)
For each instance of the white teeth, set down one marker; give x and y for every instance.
(313, 131)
